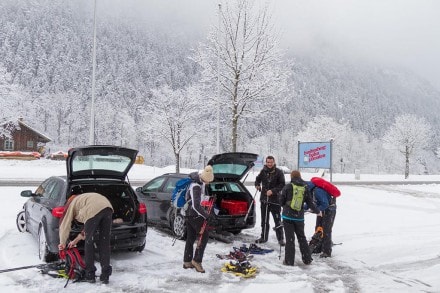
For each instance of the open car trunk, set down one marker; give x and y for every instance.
(119, 195)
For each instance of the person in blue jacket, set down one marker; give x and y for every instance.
(327, 205)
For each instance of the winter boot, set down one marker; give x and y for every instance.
(187, 265)
(105, 274)
(198, 266)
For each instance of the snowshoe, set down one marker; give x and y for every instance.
(316, 242)
(240, 269)
(254, 249)
(237, 254)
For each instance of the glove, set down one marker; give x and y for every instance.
(212, 220)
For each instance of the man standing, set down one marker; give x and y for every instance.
(270, 182)
(95, 211)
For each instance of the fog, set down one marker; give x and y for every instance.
(404, 33)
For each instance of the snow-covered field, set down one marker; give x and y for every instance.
(389, 235)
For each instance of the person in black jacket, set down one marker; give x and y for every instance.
(272, 180)
(293, 217)
(196, 215)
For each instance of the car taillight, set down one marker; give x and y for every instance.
(57, 212)
(142, 208)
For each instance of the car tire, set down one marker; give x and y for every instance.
(43, 252)
(178, 225)
(21, 221)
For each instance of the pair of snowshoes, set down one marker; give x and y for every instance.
(237, 255)
(254, 249)
(241, 269)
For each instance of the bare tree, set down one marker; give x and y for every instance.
(175, 116)
(408, 134)
(242, 55)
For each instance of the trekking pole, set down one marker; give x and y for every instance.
(266, 216)
(250, 206)
(22, 268)
(205, 223)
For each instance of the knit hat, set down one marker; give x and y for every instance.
(207, 174)
(295, 174)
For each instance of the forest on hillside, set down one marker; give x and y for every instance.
(46, 72)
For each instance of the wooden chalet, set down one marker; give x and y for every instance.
(23, 138)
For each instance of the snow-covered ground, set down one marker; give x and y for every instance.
(388, 234)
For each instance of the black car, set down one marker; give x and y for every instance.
(232, 198)
(100, 169)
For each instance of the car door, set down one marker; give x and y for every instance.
(149, 193)
(39, 205)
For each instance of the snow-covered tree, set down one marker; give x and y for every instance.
(175, 113)
(408, 134)
(243, 56)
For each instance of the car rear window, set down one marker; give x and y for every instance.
(98, 162)
(234, 169)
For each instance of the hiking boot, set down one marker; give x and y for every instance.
(307, 261)
(104, 279)
(187, 265)
(198, 266)
(325, 255)
(281, 242)
(261, 240)
(90, 277)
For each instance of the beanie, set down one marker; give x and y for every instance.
(295, 174)
(207, 174)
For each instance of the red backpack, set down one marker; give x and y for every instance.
(74, 268)
(326, 185)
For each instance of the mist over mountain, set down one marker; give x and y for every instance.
(46, 71)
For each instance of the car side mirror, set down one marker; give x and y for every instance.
(26, 193)
(139, 189)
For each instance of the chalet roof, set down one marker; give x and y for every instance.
(45, 138)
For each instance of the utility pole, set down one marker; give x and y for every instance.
(218, 78)
(92, 106)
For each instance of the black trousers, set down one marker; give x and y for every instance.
(102, 224)
(291, 229)
(193, 227)
(326, 222)
(275, 210)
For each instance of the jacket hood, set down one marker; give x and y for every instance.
(196, 177)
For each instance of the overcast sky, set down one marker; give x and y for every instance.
(396, 32)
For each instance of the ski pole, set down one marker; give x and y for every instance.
(205, 223)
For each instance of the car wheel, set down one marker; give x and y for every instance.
(43, 252)
(21, 221)
(178, 225)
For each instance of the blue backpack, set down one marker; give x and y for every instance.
(178, 198)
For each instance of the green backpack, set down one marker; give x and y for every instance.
(297, 197)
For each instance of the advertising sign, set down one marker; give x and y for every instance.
(314, 155)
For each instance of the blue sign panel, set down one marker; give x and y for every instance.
(259, 162)
(314, 155)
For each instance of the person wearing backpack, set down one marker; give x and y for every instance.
(195, 217)
(292, 200)
(327, 205)
(95, 211)
(270, 181)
